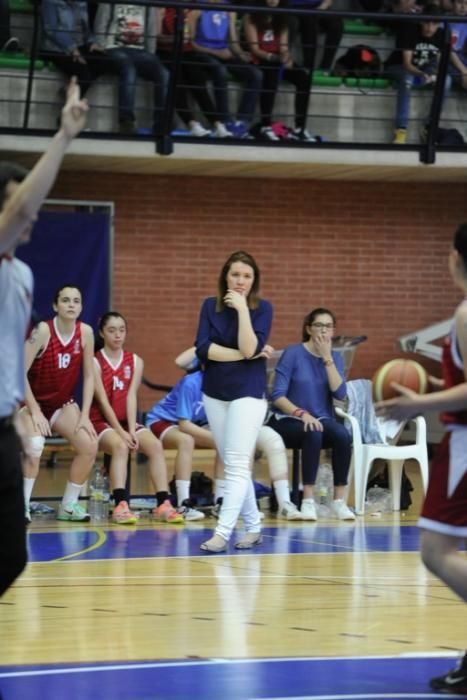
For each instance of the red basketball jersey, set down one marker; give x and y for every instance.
(55, 373)
(453, 374)
(116, 380)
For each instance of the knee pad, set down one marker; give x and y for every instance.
(35, 445)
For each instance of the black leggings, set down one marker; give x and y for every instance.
(13, 553)
(309, 27)
(192, 79)
(297, 76)
(311, 442)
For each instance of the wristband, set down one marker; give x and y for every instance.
(328, 363)
(298, 412)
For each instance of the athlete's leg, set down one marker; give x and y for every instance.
(440, 554)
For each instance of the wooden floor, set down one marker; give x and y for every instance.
(145, 592)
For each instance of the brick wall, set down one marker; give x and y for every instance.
(375, 253)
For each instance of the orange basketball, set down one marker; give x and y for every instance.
(408, 373)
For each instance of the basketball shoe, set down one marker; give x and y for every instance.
(74, 512)
(455, 681)
(122, 515)
(166, 513)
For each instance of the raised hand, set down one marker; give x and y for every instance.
(74, 112)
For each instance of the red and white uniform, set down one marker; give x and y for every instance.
(445, 507)
(55, 373)
(116, 379)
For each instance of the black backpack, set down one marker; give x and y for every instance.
(359, 61)
(381, 479)
(201, 489)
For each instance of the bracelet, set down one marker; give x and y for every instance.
(298, 412)
(328, 363)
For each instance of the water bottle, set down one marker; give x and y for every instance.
(378, 500)
(96, 497)
(324, 487)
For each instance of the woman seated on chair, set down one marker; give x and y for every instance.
(308, 376)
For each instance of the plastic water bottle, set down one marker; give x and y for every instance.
(96, 497)
(378, 500)
(324, 487)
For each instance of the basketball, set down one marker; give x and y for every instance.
(408, 373)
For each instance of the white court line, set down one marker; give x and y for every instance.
(207, 662)
(144, 577)
(352, 696)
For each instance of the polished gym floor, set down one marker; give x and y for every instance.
(329, 610)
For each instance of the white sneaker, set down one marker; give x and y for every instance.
(308, 509)
(190, 514)
(341, 511)
(27, 516)
(267, 133)
(220, 132)
(289, 511)
(303, 135)
(198, 130)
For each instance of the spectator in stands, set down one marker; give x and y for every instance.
(308, 376)
(268, 41)
(67, 41)
(415, 61)
(55, 352)
(192, 79)
(231, 342)
(128, 33)
(117, 377)
(215, 40)
(309, 26)
(8, 43)
(458, 67)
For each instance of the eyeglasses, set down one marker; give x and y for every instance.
(323, 326)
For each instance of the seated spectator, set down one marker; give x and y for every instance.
(267, 37)
(67, 41)
(192, 79)
(8, 43)
(458, 67)
(183, 407)
(307, 378)
(309, 26)
(415, 61)
(215, 41)
(117, 376)
(127, 33)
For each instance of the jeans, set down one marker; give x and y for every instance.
(127, 64)
(405, 82)
(235, 426)
(141, 63)
(251, 77)
(13, 553)
(311, 442)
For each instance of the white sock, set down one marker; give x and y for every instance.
(28, 485)
(183, 490)
(281, 488)
(71, 494)
(218, 489)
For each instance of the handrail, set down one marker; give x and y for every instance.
(163, 141)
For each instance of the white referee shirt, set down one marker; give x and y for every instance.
(16, 287)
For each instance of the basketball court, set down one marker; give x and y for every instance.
(328, 610)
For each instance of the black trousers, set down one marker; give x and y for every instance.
(13, 552)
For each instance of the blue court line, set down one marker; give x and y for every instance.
(369, 678)
(134, 543)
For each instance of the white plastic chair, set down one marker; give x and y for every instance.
(395, 456)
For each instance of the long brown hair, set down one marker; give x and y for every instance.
(247, 259)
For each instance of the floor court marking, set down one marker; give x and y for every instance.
(101, 539)
(218, 661)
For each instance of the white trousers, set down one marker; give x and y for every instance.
(235, 426)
